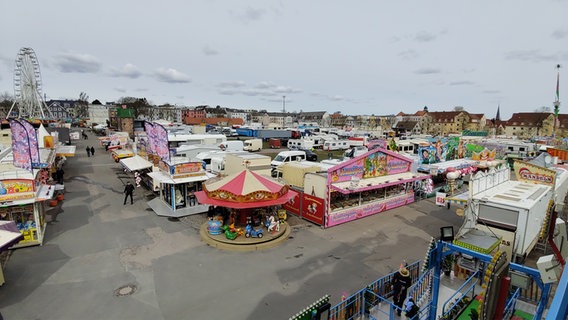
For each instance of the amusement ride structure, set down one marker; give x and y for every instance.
(28, 96)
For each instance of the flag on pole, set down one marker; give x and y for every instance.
(558, 87)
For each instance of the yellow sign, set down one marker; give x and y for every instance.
(528, 172)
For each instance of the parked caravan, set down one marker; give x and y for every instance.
(332, 145)
(253, 145)
(193, 150)
(233, 145)
(206, 157)
(294, 144)
(176, 140)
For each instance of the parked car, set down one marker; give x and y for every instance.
(310, 155)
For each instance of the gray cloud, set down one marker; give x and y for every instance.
(208, 51)
(337, 98)
(233, 84)
(76, 63)
(427, 71)
(491, 91)
(408, 54)
(127, 71)
(530, 55)
(283, 89)
(171, 76)
(461, 83)
(252, 14)
(120, 89)
(265, 89)
(560, 33)
(265, 85)
(8, 62)
(424, 36)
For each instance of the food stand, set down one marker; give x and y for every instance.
(178, 184)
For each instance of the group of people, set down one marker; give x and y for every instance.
(90, 151)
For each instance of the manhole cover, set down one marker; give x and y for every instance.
(125, 290)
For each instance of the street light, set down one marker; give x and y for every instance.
(284, 104)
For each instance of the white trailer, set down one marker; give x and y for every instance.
(300, 144)
(258, 163)
(513, 210)
(332, 145)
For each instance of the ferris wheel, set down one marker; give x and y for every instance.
(27, 88)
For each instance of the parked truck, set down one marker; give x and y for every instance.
(252, 145)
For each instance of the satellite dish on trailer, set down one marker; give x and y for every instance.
(548, 159)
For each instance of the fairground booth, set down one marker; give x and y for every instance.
(178, 184)
(26, 182)
(371, 183)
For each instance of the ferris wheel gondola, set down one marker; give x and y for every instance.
(28, 94)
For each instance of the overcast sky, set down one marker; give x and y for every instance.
(357, 57)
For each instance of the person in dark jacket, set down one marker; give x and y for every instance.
(411, 308)
(401, 283)
(128, 191)
(88, 151)
(92, 151)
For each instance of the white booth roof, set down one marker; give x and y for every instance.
(135, 163)
(514, 193)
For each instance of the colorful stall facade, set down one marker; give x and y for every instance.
(374, 182)
(178, 184)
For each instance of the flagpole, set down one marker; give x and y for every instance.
(557, 101)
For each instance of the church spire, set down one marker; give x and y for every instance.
(498, 116)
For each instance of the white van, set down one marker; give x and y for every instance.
(287, 156)
(332, 145)
(253, 145)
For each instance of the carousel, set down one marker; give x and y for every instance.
(244, 211)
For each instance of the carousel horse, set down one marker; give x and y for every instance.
(273, 225)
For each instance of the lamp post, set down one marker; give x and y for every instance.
(284, 104)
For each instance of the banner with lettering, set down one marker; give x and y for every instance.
(529, 172)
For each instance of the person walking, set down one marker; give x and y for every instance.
(88, 151)
(401, 282)
(128, 191)
(92, 151)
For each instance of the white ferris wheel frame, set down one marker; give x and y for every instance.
(28, 87)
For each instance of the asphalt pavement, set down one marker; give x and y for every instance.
(106, 260)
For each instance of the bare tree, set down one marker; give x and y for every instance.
(82, 106)
(6, 102)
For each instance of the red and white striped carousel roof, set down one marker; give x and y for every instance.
(243, 183)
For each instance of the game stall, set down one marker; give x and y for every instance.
(371, 183)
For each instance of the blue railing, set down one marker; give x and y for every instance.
(469, 284)
(510, 306)
(357, 305)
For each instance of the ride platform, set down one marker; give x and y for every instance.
(242, 243)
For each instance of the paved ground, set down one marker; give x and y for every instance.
(100, 249)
